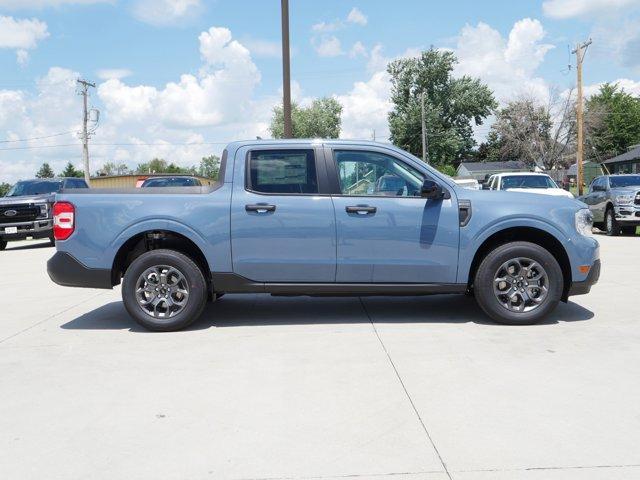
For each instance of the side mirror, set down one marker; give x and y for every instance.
(485, 186)
(431, 190)
(598, 188)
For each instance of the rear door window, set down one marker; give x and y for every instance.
(282, 172)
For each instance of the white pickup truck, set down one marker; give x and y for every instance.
(527, 182)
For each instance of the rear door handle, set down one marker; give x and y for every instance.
(260, 208)
(361, 209)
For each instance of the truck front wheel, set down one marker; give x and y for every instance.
(518, 283)
(164, 290)
(3, 244)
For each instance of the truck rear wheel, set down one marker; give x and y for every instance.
(3, 245)
(518, 283)
(164, 290)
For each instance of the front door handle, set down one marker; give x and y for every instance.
(260, 208)
(361, 209)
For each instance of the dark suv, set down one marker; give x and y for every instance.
(26, 209)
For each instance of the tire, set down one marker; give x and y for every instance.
(3, 244)
(143, 272)
(52, 241)
(631, 231)
(531, 256)
(611, 224)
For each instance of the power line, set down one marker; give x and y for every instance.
(131, 144)
(37, 138)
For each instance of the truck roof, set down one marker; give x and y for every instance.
(305, 141)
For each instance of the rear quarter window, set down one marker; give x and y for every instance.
(282, 171)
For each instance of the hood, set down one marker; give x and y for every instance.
(523, 199)
(44, 198)
(625, 190)
(557, 192)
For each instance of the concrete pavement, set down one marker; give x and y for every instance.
(296, 388)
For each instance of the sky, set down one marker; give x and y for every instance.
(178, 79)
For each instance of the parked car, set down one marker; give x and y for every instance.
(526, 182)
(470, 183)
(26, 209)
(177, 181)
(614, 201)
(296, 218)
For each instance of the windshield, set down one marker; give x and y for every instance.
(624, 181)
(527, 181)
(34, 187)
(171, 182)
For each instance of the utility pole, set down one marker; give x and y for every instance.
(581, 49)
(84, 91)
(425, 140)
(286, 71)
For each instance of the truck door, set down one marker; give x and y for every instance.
(386, 232)
(282, 226)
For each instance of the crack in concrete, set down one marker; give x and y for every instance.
(393, 365)
(427, 472)
(13, 335)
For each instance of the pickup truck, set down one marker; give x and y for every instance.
(614, 201)
(323, 218)
(26, 209)
(526, 182)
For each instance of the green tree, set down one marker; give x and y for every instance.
(160, 165)
(447, 169)
(490, 149)
(157, 165)
(612, 117)
(532, 132)
(322, 119)
(452, 105)
(110, 168)
(71, 171)
(4, 188)
(45, 171)
(209, 167)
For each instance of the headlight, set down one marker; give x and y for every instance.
(584, 222)
(44, 210)
(624, 199)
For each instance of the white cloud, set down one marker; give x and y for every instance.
(38, 4)
(577, 8)
(21, 35)
(215, 105)
(22, 56)
(358, 50)
(507, 66)
(626, 84)
(325, 27)
(220, 92)
(328, 46)
(115, 73)
(357, 17)
(263, 48)
(365, 108)
(166, 12)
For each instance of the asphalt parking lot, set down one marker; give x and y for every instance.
(297, 388)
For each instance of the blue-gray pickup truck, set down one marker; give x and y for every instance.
(323, 218)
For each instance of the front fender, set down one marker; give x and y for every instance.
(471, 241)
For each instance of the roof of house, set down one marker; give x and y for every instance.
(492, 166)
(633, 154)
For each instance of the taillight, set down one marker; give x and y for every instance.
(63, 220)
